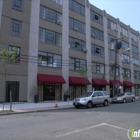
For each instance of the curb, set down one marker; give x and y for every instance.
(34, 111)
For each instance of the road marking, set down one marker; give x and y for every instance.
(116, 126)
(91, 127)
(79, 130)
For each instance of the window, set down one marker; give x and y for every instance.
(135, 49)
(134, 37)
(137, 74)
(76, 25)
(10, 48)
(125, 58)
(97, 33)
(125, 45)
(58, 1)
(124, 32)
(111, 25)
(96, 17)
(112, 71)
(49, 59)
(109, 38)
(50, 37)
(100, 94)
(76, 7)
(98, 68)
(111, 54)
(126, 73)
(137, 89)
(97, 50)
(77, 44)
(17, 4)
(135, 62)
(76, 64)
(15, 28)
(50, 15)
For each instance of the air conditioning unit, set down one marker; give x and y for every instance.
(84, 50)
(76, 28)
(92, 35)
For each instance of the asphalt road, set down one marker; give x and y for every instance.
(98, 123)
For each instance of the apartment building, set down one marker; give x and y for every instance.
(55, 39)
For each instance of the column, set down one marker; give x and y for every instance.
(106, 50)
(65, 45)
(33, 48)
(88, 44)
(131, 65)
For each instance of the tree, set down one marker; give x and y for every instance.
(7, 58)
(85, 73)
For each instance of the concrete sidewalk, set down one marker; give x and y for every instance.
(36, 107)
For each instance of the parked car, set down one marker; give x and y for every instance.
(124, 97)
(91, 98)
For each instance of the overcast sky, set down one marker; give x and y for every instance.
(128, 11)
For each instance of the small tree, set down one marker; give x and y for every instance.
(85, 73)
(7, 57)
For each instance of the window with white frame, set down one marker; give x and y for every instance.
(17, 4)
(124, 32)
(76, 7)
(58, 1)
(50, 15)
(49, 59)
(135, 49)
(76, 63)
(50, 37)
(111, 25)
(126, 73)
(77, 44)
(97, 50)
(15, 27)
(134, 37)
(137, 74)
(77, 25)
(98, 34)
(135, 62)
(112, 71)
(98, 68)
(17, 58)
(125, 45)
(125, 58)
(96, 17)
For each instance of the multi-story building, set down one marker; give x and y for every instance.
(55, 39)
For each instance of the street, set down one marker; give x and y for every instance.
(98, 123)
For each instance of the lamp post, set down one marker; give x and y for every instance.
(117, 46)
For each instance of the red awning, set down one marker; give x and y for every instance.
(53, 79)
(117, 81)
(128, 83)
(99, 82)
(78, 81)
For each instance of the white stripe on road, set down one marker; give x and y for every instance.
(91, 127)
(79, 130)
(116, 127)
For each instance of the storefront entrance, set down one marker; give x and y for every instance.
(52, 92)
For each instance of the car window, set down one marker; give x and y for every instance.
(105, 93)
(95, 94)
(129, 93)
(87, 94)
(100, 94)
(121, 94)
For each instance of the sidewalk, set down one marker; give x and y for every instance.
(35, 107)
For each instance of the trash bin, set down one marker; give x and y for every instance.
(65, 98)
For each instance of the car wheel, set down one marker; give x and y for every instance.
(106, 103)
(133, 99)
(76, 106)
(89, 104)
(124, 100)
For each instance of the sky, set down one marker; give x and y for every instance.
(128, 11)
